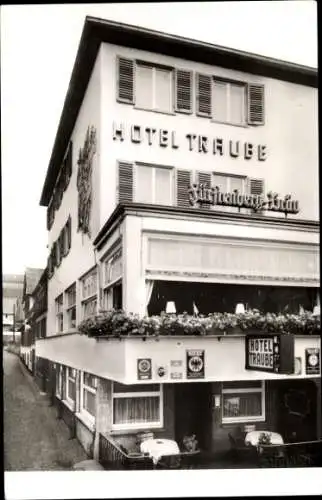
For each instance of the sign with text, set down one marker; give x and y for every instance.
(144, 369)
(270, 353)
(312, 361)
(172, 139)
(201, 194)
(195, 363)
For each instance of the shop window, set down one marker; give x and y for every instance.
(137, 406)
(89, 294)
(243, 402)
(154, 88)
(154, 185)
(88, 395)
(71, 386)
(59, 313)
(71, 306)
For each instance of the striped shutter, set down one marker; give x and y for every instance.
(125, 182)
(204, 95)
(68, 165)
(50, 215)
(256, 186)
(57, 252)
(205, 179)
(255, 99)
(183, 91)
(183, 185)
(125, 82)
(69, 234)
(61, 241)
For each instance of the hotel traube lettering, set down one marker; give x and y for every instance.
(201, 194)
(270, 353)
(164, 138)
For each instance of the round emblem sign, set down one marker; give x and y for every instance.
(161, 371)
(195, 364)
(144, 365)
(313, 360)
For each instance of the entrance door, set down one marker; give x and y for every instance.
(297, 410)
(193, 412)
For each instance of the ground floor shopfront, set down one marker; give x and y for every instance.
(123, 388)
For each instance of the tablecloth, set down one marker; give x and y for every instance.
(156, 448)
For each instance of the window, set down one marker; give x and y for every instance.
(229, 102)
(154, 88)
(88, 395)
(89, 294)
(154, 185)
(71, 306)
(59, 313)
(59, 381)
(113, 267)
(243, 401)
(137, 406)
(71, 385)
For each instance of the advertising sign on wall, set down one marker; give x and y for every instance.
(270, 353)
(312, 361)
(195, 363)
(144, 369)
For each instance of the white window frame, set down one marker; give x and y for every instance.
(88, 416)
(254, 418)
(228, 84)
(139, 425)
(228, 178)
(69, 400)
(85, 299)
(154, 167)
(69, 307)
(59, 314)
(154, 69)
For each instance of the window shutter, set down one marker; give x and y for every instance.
(68, 165)
(57, 252)
(203, 95)
(255, 104)
(69, 234)
(183, 185)
(125, 83)
(125, 184)
(256, 186)
(205, 179)
(61, 243)
(183, 92)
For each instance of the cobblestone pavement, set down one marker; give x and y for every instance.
(33, 438)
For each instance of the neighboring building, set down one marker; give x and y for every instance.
(27, 348)
(147, 115)
(12, 286)
(38, 324)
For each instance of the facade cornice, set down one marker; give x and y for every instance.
(146, 210)
(97, 31)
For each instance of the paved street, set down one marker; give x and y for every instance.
(33, 438)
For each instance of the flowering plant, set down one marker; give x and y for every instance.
(117, 323)
(264, 438)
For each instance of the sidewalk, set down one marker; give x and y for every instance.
(34, 439)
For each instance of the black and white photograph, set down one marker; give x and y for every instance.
(161, 280)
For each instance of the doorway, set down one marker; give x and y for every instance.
(297, 410)
(193, 412)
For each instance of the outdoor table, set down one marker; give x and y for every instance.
(156, 448)
(253, 437)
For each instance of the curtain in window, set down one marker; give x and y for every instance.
(162, 186)
(242, 405)
(136, 410)
(144, 89)
(220, 101)
(162, 90)
(237, 106)
(143, 186)
(148, 288)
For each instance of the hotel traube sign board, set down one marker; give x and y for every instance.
(270, 353)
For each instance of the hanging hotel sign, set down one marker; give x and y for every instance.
(144, 369)
(200, 194)
(270, 353)
(312, 361)
(195, 363)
